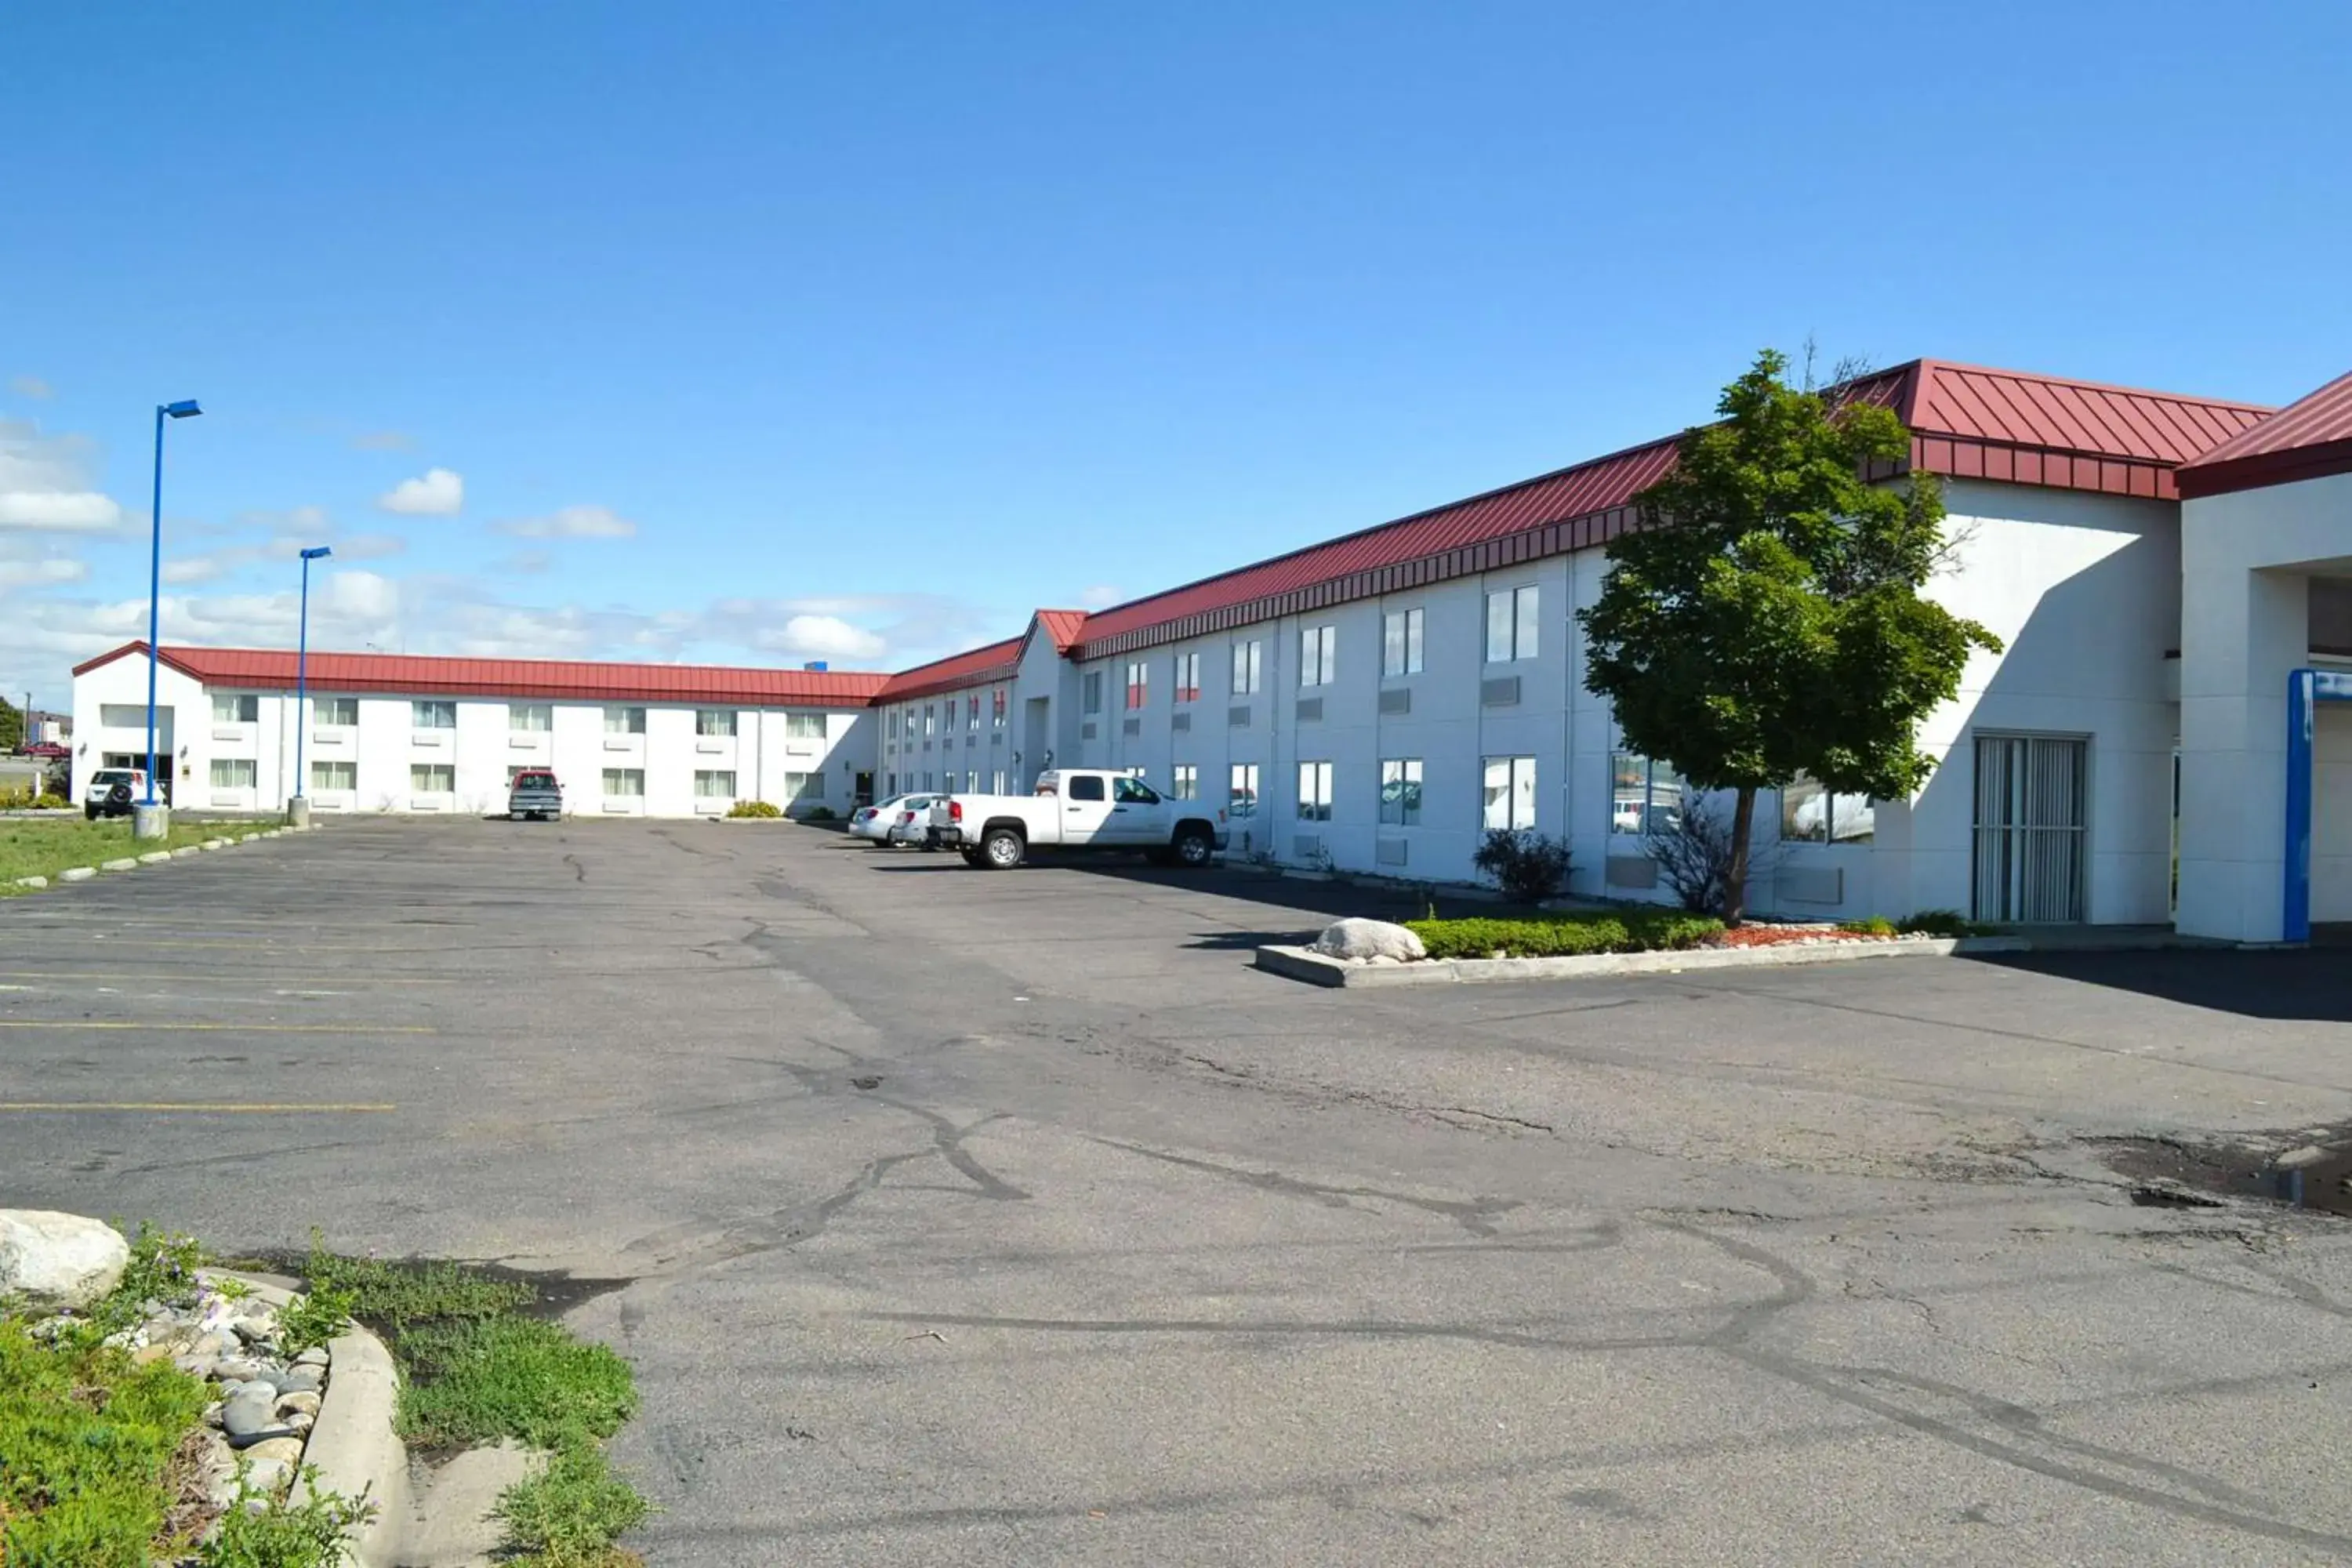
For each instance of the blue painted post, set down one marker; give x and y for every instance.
(302, 671)
(154, 588)
(2295, 924)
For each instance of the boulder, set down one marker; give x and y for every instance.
(53, 1261)
(1367, 940)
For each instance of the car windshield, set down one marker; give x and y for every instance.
(113, 776)
(534, 781)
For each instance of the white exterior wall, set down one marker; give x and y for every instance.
(483, 751)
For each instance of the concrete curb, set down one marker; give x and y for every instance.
(35, 883)
(1299, 963)
(152, 858)
(76, 873)
(354, 1451)
(127, 863)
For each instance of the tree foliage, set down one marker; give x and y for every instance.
(1764, 619)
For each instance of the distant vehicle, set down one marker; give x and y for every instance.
(114, 791)
(534, 797)
(901, 819)
(1079, 809)
(51, 751)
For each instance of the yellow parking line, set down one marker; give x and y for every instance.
(196, 1106)
(216, 977)
(217, 1028)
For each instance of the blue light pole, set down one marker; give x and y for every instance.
(185, 408)
(302, 673)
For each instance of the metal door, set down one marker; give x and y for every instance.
(2032, 805)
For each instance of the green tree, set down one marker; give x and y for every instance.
(12, 726)
(1764, 619)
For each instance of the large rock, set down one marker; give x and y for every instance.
(52, 1261)
(1368, 940)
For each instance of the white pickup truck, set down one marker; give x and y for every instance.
(1079, 809)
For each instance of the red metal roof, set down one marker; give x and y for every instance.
(1967, 422)
(574, 680)
(2309, 439)
(1062, 626)
(997, 662)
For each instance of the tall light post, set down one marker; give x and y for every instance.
(148, 822)
(299, 807)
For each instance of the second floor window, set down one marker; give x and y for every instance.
(338, 713)
(530, 718)
(237, 708)
(1247, 659)
(806, 727)
(432, 715)
(1188, 677)
(971, 711)
(1139, 676)
(625, 720)
(714, 721)
(1511, 621)
(1090, 692)
(1400, 643)
(996, 712)
(1318, 652)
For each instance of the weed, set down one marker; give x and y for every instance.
(480, 1380)
(1940, 923)
(569, 1514)
(282, 1533)
(1564, 935)
(1870, 925)
(309, 1320)
(390, 1296)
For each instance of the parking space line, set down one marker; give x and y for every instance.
(217, 976)
(202, 1108)
(217, 1028)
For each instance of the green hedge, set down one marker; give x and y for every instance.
(1566, 935)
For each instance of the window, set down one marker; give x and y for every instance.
(1086, 787)
(714, 722)
(1139, 678)
(889, 786)
(334, 776)
(971, 711)
(1133, 790)
(625, 783)
(433, 778)
(996, 712)
(236, 708)
(930, 719)
(811, 786)
(1401, 642)
(1183, 782)
(1246, 657)
(894, 723)
(530, 718)
(1091, 692)
(625, 720)
(1400, 790)
(1646, 796)
(1314, 792)
(811, 726)
(1812, 815)
(233, 773)
(1188, 677)
(714, 785)
(1319, 646)
(339, 712)
(1511, 792)
(996, 782)
(1511, 620)
(1241, 788)
(971, 782)
(432, 715)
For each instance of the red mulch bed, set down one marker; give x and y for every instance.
(1780, 935)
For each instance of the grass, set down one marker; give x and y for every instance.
(476, 1369)
(1564, 934)
(43, 847)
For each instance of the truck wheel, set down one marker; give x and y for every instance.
(1001, 849)
(973, 857)
(1193, 849)
(90, 810)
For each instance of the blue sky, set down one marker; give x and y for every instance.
(759, 333)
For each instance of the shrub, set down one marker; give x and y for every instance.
(753, 808)
(1525, 865)
(52, 801)
(282, 1533)
(1872, 925)
(477, 1381)
(820, 814)
(1940, 923)
(309, 1320)
(1565, 936)
(568, 1515)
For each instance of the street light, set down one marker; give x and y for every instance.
(300, 805)
(184, 409)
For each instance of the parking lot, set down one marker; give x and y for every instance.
(955, 1216)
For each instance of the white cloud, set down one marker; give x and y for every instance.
(47, 571)
(369, 546)
(1100, 596)
(195, 568)
(361, 596)
(820, 636)
(439, 492)
(572, 523)
(31, 386)
(523, 562)
(45, 483)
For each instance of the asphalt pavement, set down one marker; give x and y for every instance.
(1009, 1218)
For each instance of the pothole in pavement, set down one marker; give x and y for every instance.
(2310, 1168)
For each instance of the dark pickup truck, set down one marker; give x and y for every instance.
(534, 797)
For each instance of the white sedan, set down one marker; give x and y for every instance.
(901, 819)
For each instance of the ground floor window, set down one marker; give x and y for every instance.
(1510, 793)
(1812, 815)
(233, 773)
(431, 778)
(1184, 781)
(1314, 792)
(799, 784)
(997, 784)
(714, 783)
(335, 775)
(1646, 795)
(1241, 790)
(625, 783)
(1401, 791)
